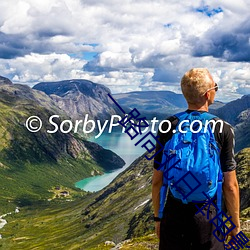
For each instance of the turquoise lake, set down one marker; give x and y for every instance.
(121, 144)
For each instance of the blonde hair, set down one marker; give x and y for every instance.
(195, 83)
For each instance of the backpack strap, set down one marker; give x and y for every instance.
(165, 188)
(209, 116)
(219, 196)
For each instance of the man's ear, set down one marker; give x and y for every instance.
(207, 95)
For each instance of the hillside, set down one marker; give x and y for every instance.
(243, 175)
(242, 130)
(80, 97)
(32, 163)
(152, 103)
(86, 222)
(122, 210)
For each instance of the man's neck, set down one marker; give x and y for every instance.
(198, 107)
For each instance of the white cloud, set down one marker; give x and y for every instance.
(34, 68)
(141, 45)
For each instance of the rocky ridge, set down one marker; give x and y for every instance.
(80, 97)
(4, 80)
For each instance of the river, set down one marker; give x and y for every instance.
(121, 144)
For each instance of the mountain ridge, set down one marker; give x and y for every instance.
(80, 97)
(4, 80)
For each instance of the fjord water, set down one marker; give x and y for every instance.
(121, 144)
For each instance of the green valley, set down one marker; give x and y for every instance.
(32, 163)
(121, 213)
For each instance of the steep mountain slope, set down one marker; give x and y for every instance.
(237, 114)
(32, 163)
(130, 195)
(242, 130)
(80, 97)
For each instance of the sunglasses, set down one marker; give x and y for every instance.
(216, 87)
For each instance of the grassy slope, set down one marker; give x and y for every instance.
(25, 170)
(243, 175)
(60, 225)
(32, 163)
(48, 226)
(88, 222)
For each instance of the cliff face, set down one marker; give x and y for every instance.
(80, 97)
(242, 130)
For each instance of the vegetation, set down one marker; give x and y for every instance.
(38, 172)
(32, 163)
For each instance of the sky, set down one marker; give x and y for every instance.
(128, 45)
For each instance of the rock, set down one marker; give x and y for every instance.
(109, 243)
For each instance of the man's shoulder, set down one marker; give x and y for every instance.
(227, 127)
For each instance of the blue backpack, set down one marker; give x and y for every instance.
(191, 161)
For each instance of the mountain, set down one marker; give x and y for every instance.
(31, 164)
(151, 103)
(38, 169)
(232, 110)
(80, 97)
(158, 104)
(216, 105)
(106, 215)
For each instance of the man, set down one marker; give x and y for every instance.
(181, 228)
